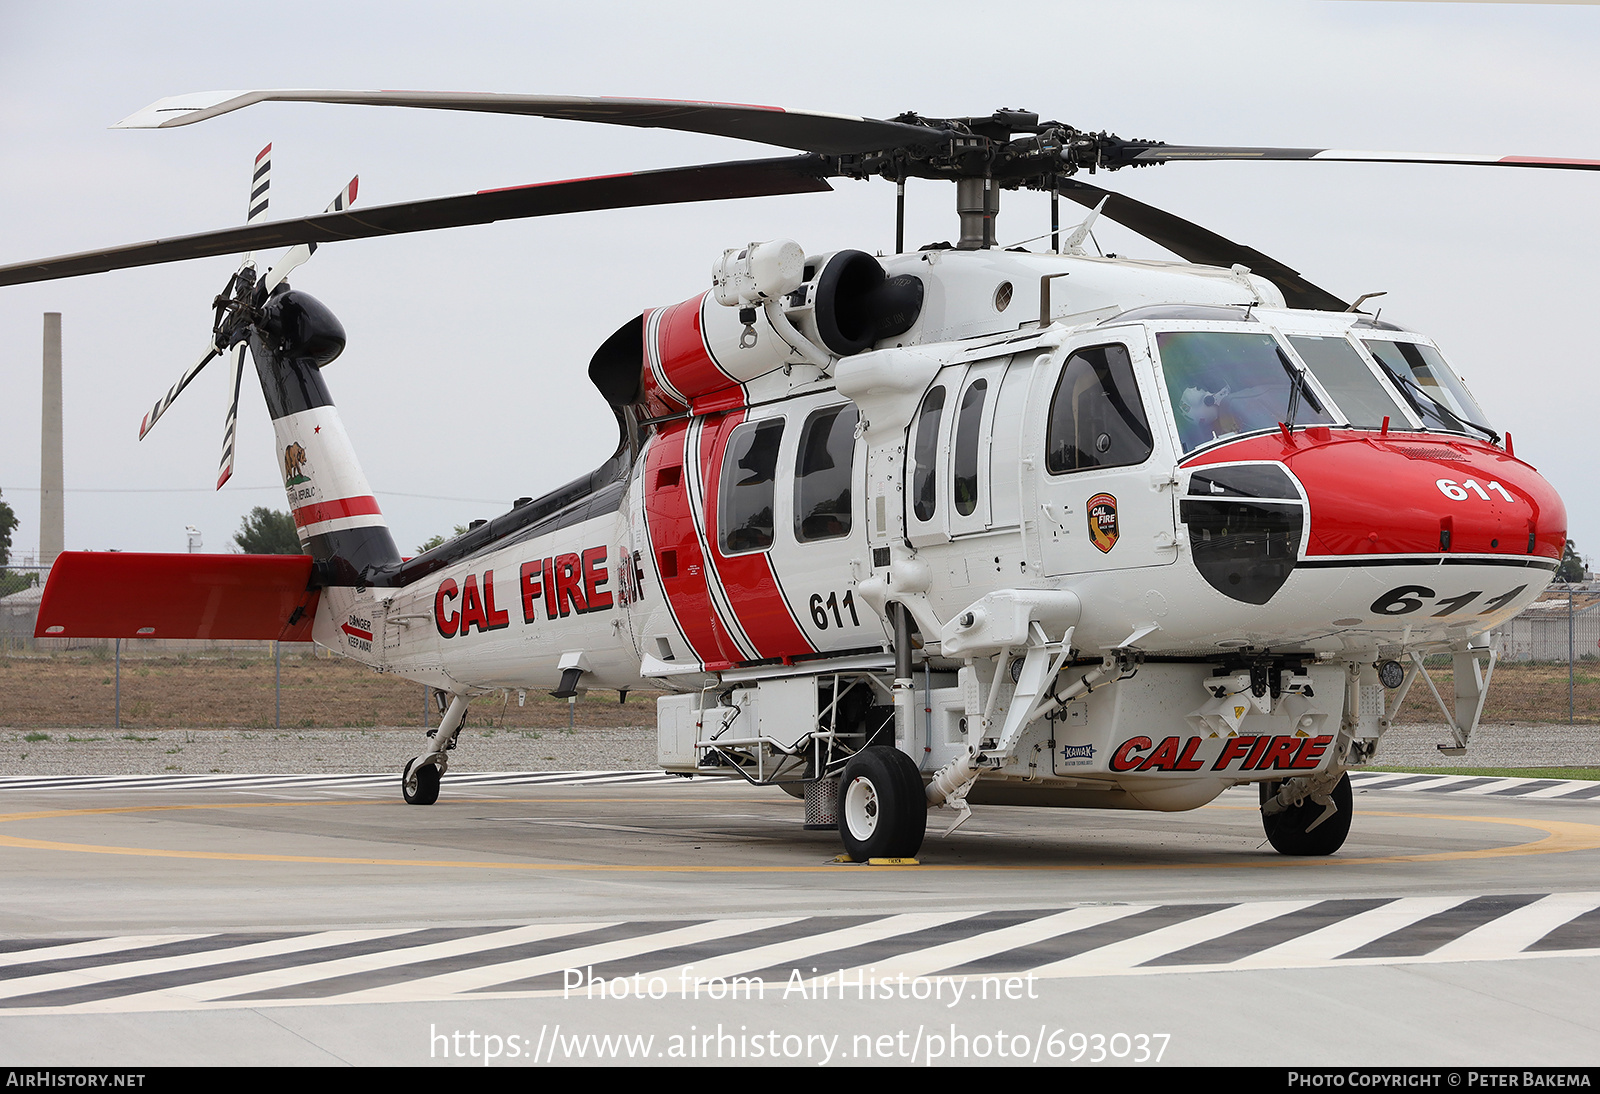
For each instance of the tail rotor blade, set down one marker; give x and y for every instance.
(256, 207)
(260, 182)
(231, 425)
(177, 389)
(299, 253)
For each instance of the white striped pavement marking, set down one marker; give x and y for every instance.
(798, 949)
(69, 950)
(333, 781)
(1323, 945)
(268, 980)
(1556, 791)
(474, 980)
(1505, 937)
(1125, 955)
(960, 952)
(31, 985)
(1516, 930)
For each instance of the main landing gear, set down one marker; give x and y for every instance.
(1302, 817)
(883, 808)
(419, 781)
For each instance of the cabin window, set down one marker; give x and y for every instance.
(822, 474)
(1096, 417)
(749, 482)
(965, 479)
(925, 455)
(1222, 383)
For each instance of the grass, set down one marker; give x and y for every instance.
(1590, 774)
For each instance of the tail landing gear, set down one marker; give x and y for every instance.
(419, 785)
(419, 781)
(1302, 818)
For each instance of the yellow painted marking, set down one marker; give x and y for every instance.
(1559, 837)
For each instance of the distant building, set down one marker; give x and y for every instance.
(1544, 631)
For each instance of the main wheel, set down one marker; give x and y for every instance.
(419, 785)
(883, 809)
(1286, 831)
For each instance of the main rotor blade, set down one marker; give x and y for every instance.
(1168, 152)
(808, 131)
(1193, 243)
(710, 182)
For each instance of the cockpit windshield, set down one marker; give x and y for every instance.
(1222, 383)
(1428, 384)
(1361, 398)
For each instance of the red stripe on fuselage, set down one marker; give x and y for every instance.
(747, 578)
(659, 399)
(676, 545)
(681, 350)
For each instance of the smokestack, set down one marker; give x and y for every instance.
(52, 512)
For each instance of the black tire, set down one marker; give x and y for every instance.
(420, 787)
(883, 809)
(1286, 831)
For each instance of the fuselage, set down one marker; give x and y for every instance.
(1207, 471)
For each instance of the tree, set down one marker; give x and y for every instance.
(1573, 565)
(267, 532)
(8, 524)
(424, 548)
(9, 582)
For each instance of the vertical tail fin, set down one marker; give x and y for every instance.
(334, 511)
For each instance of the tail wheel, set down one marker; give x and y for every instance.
(1287, 831)
(420, 785)
(883, 809)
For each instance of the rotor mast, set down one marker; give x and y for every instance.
(1008, 149)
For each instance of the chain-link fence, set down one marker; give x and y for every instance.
(182, 684)
(171, 684)
(1554, 629)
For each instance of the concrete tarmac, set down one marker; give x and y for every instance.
(265, 923)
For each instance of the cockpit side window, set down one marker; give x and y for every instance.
(1096, 416)
(1222, 383)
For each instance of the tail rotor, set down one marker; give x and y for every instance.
(238, 307)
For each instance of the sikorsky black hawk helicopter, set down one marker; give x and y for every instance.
(962, 525)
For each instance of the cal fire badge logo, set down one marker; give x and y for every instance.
(1103, 521)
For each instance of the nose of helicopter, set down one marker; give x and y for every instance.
(1422, 495)
(1381, 503)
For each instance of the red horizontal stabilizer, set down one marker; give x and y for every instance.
(113, 594)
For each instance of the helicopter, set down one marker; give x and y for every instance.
(962, 525)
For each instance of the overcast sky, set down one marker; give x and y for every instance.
(464, 386)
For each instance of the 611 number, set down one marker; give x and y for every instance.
(820, 609)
